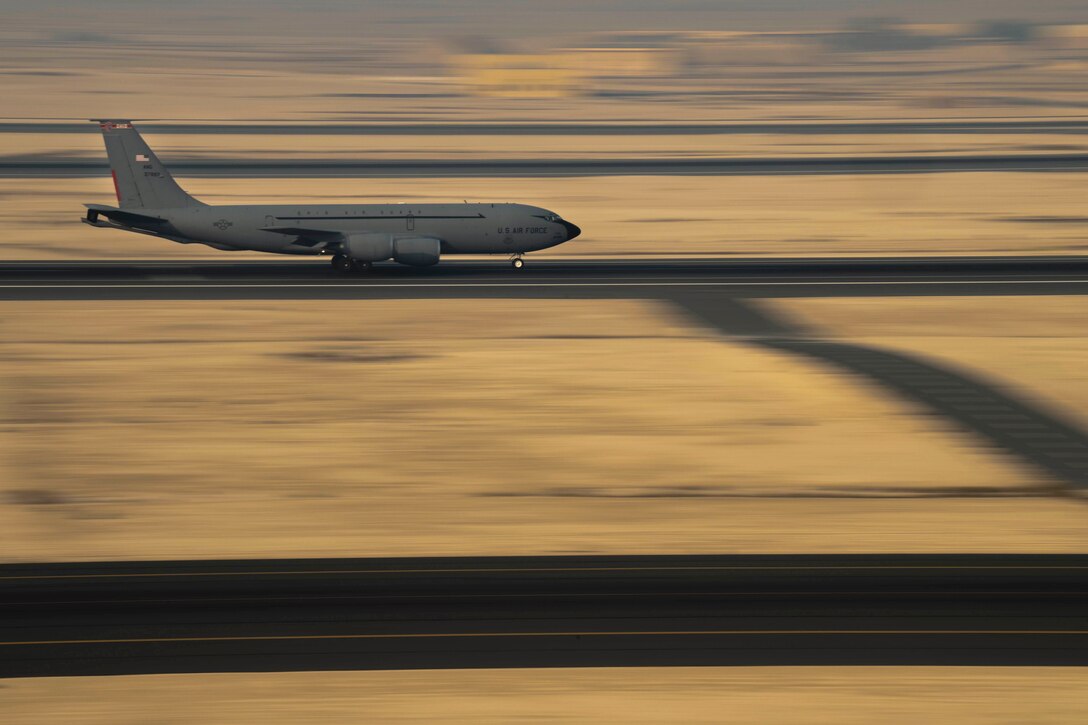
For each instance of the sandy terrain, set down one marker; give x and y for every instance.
(383, 146)
(914, 214)
(173, 70)
(1035, 347)
(207, 429)
(795, 695)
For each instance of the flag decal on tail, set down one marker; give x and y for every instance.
(142, 157)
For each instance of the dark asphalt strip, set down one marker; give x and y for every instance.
(999, 418)
(545, 279)
(329, 614)
(285, 268)
(1075, 126)
(316, 168)
(509, 291)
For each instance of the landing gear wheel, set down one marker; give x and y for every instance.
(342, 263)
(517, 263)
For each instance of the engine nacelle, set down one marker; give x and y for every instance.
(417, 251)
(369, 247)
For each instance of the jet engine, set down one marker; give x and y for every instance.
(369, 247)
(417, 251)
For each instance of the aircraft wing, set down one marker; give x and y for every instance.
(315, 233)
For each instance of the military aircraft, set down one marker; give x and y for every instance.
(355, 235)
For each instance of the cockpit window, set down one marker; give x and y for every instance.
(551, 217)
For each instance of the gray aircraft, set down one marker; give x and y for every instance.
(355, 235)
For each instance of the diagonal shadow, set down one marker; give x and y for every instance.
(1001, 420)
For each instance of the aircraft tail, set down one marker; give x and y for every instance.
(140, 179)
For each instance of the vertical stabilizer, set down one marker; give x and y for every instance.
(141, 181)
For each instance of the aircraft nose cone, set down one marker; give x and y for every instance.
(572, 230)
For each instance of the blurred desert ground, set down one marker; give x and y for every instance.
(398, 428)
(273, 63)
(1034, 347)
(793, 695)
(702, 216)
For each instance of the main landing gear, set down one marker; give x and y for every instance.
(345, 264)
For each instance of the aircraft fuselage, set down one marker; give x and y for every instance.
(461, 228)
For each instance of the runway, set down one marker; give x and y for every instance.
(545, 278)
(74, 167)
(218, 616)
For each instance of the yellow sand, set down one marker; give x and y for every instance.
(1034, 346)
(786, 695)
(198, 66)
(383, 428)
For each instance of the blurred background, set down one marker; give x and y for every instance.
(687, 129)
(506, 87)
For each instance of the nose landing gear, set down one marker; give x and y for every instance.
(517, 263)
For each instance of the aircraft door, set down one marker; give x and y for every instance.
(411, 222)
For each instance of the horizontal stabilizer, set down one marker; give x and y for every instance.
(122, 216)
